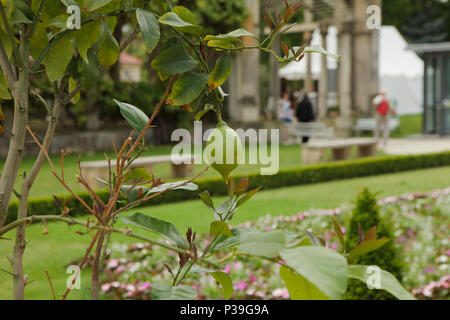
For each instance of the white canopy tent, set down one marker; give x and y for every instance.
(401, 71)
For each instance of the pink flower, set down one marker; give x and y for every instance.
(429, 270)
(106, 287)
(113, 263)
(252, 278)
(448, 253)
(227, 269)
(334, 246)
(240, 285)
(343, 230)
(144, 286)
(300, 216)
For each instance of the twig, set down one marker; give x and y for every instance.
(51, 284)
(125, 232)
(56, 175)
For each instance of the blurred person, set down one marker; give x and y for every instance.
(305, 113)
(286, 114)
(383, 112)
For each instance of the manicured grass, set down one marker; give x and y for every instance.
(409, 125)
(47, 185)
(63, 246)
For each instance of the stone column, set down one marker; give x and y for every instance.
(345, 72)
(307, 37)
(275, 81)
(323, 83)
(244, 100)
(366, 59)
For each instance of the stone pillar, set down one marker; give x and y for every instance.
(345, 71)
(244, 100)
(275, 81)
(366, 59)
(307, 37)
(323, 83)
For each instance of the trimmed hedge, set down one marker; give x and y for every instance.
(284, 178)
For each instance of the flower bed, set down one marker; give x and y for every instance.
(421, 221)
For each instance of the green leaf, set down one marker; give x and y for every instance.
(179, 185)
(58, 58)
(299, 288)
(174, 60)
(221, 72)
(337, 229)
(187, 88)
(4, 93)
(134, 116)
(173, 20)
(226, 283)
(221, 44)
(265, 244)
(206, 198)
(139, 174)
(366, 247)
(72, 86)
(239, 235)
(208, 107)
(6, 43)
(387, 281)
(324, 268)
(86, 37)
(109, 50)
(219, 228)
(92, 5)
(319, 49)
(241, 33)
(60, 21)
(90, 74)
(150, 29)
(19, 17)
(247, 197)
(185, 14)
(166, 292)
(163, 228)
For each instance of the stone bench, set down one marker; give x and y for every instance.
(314, 151)
(363, 125)
(99, 169)
(311, 130)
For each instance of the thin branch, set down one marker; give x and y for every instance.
(137, 202)
(51, 284)
(56, 175)
(10, 33)
(35, 20)
(126, 232)
(158, 107)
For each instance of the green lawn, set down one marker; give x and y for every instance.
(47, 185)
(409, 125)
(59, 249)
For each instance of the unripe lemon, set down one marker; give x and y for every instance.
(224, 149)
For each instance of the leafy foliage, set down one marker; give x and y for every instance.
(365, 217)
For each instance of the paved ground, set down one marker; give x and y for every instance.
(417, 146)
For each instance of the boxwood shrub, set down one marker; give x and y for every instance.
(284, 178)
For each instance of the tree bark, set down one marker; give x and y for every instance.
(19, 248)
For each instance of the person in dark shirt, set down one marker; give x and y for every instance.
(305, 113)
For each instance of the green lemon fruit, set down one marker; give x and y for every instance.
(224, 149)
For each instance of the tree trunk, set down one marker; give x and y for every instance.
(16, 145)
(19, 247)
